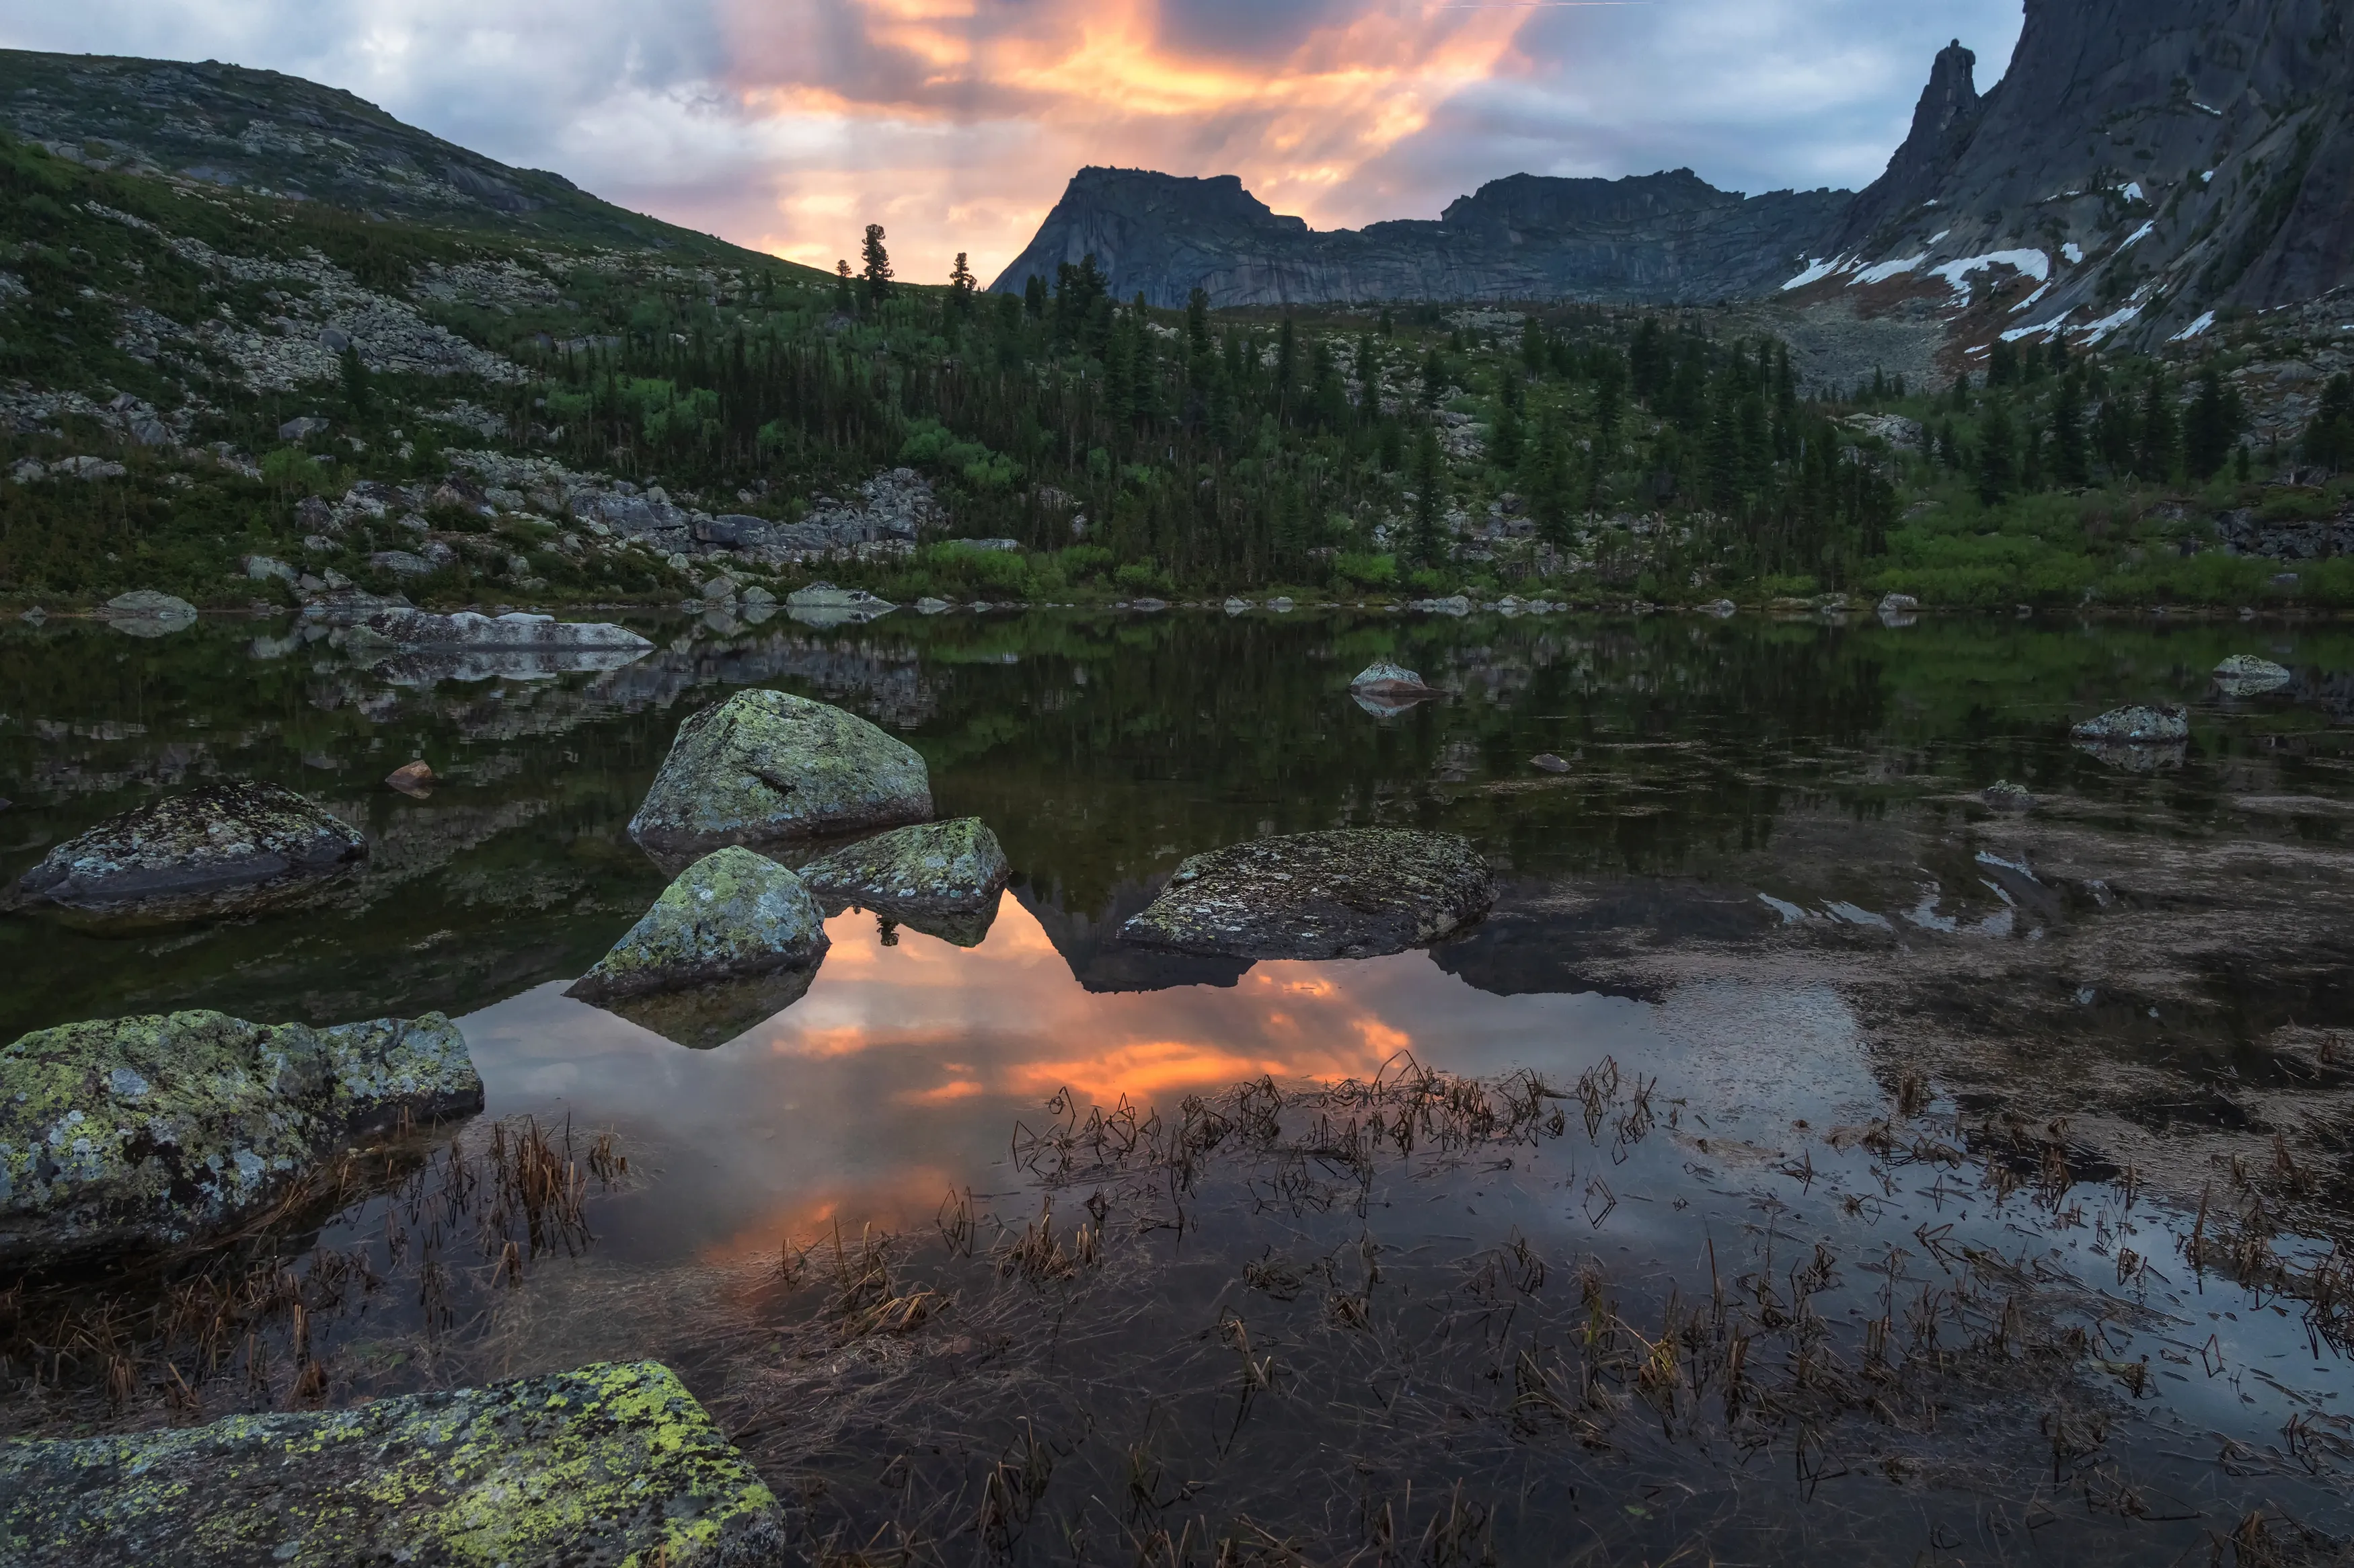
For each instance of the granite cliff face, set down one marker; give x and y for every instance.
(2141, 164)
(2146, 161)
(1663, 237)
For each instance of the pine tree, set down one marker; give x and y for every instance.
(844, 300)
(877, 268)
(1033, 295)
(2330, 438)
(1434, 379)
(2156, 436)
(2069, 464)
(1998, 454)
(961, 284)
(356, 391)
(2213, 427)
(1368, 367)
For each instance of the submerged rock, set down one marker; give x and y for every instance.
(214, 849)
(2136, 726)
(2245, 675)
(942, 878)
(610, 1464)
(164, 1130)
(768, 765)
(1356, 893)
(730, 914)
(1549, 762)
(2002, 795)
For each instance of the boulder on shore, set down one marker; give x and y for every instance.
(2136, 726)
(218, 848)
(166, 1130)
(730, 914)
(2245, 675)
(1355, 893)
(614, 1464)
(768, 765)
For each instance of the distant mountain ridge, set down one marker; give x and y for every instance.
(2143, 162)
(1667, 238)
(285, 136)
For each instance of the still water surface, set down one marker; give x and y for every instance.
(1763, 912)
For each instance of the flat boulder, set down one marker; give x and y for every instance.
(144, 612)
(166, 1130)
(1352, 894)
(2136, 726)
(614, 1464)
(821, 605)
(943, 879)
(731, 914)
(2245, 675)
(218, 848)
(766, 765)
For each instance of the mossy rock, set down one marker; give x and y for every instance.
(768, 765)
(217, 849)
(730, 914)
(163, 1132)
(933, 868)
(614, 1466)
(1351, 894)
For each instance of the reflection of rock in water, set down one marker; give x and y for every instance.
(1100, 962)
(958, 928)
(430, 666)
(2134, 758)
(702, 1017)
(1580, 937)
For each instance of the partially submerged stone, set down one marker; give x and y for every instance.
(419, 629)
(768, 765)
(1355, 893)
(2245, 675)
(144, 612)
(730, 914)
(1549, 762)
(2136, 726)
(611, 1465)
(1385, 689)
(944, 867)
(702, 1017)
(412, 778)
(823, 604)
(165, 1130)
(218, 848)
(2002, 795)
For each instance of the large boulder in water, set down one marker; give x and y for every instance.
(1386, 689)
(218, 848)
(164, 1131)
(944, 867)
(730, 914)
(2245, 675)
(2136, 726)
(769, 764)
(610, 1464)
(1353, 894)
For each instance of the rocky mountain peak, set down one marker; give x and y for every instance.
(1944, 122)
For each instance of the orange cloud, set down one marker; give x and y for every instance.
(955, 122)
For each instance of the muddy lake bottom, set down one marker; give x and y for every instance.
(1802, 1158)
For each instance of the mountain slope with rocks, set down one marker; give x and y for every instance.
(1659, 238)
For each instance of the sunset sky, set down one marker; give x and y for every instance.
(786, 126)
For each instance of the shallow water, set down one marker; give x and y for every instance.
(1762, 912)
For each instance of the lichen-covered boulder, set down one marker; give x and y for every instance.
(2136, 726)
(730, 915)
(2002, 795)
(216, 849)
(1352, 894)
(946, 867)
(1385, 690)
(2245, 675)
(611, 1465)
(768, 765)
(164, 1130)
(144, 612)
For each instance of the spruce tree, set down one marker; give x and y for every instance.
(2330, 438)
(1429, 544)
(2157, 438)
(1998, 454)
(2213, 427)
(2069, 464)
(961, 284)
(877, 268)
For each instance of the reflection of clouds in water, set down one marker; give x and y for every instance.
(919, 1057)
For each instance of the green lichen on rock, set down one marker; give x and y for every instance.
(614, 1466)
(943, 867)
(165, 1129)
(214, 849)
(2245, 675)
(1356, 893)
(731, 913)
(769, 764)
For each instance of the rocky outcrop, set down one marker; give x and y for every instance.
(1656, 239)
(1353, 894)
(769, 764)
(2141, 164)
(164, 1131)
(942, 878)
(218, 848)
(614, 1466)
(730, 914)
